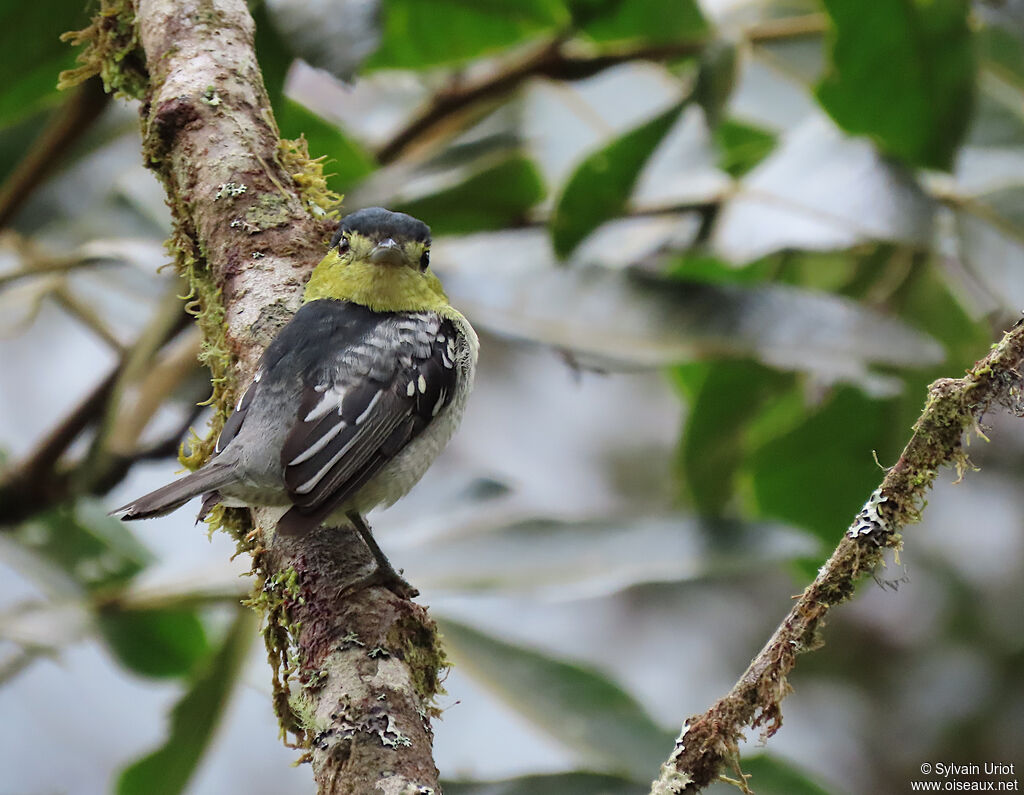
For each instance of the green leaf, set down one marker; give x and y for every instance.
(489, 199)
(601, 185)
(92, 549)
(819, 474)
(741, 146)
(902, 73)
(577, 705)
(714, 444)
(716, 79)
(646, 20)
(420, 33)
(155, 642)
(32, 54)
(194, 718)
(577, 783)
(16, 138)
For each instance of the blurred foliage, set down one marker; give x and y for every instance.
(916, 61)
(802, 214)
(166, 771)
(576, 705)
(31, 53)
(600, 187)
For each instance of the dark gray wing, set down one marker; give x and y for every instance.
(365, 404)
(233, 424)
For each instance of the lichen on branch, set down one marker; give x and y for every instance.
(954, 408)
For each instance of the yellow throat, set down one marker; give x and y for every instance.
(382, 288)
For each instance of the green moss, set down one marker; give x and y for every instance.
(304, 711)
(418, 643)
(308, 176)
(273, 597)
(112, 51)
(203, 302)
(269, 211)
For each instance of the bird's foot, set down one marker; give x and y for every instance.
(383, 577)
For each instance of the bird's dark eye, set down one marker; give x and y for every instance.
(425, 260)
(343, 244)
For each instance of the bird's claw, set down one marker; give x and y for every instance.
(384, 577)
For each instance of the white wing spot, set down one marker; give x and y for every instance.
(329, 402)
(411, 389)
(368, 408)
(437, 406)
(310, 484)
(422, 383)
(319, 445)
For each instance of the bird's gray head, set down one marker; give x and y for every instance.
(384, 237)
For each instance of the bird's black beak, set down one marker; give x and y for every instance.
(387, 252)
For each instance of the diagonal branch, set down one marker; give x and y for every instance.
(65, 127)
(552, 60)
(954, 407)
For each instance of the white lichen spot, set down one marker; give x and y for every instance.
(257, 254)
(210, 97)
(392, 737)
(229, 190)
(377, 651)
(394, 784)
(671, 781)
(870, 520)
(353, 639)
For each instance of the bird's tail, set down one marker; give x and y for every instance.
(172, 496)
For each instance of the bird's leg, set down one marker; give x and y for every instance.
(385, 573)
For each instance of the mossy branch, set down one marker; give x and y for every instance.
(954, 408)
(250, 219)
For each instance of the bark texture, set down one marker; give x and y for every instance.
(355, 674)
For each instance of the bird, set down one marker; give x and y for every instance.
(353, 399)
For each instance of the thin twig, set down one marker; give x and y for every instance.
(66, 126)
(550, 61)
(954, 406)
(39, 482)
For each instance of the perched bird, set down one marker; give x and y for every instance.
(353, 399)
